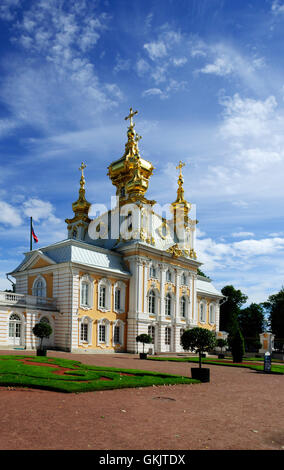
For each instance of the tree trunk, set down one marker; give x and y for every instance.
(200, 359)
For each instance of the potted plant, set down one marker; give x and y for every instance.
(199, 340)
(221, 343)
(42, 330)
(145, 339)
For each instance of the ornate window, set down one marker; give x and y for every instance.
(86, 292)
(39, 287)
(168, 276)
(119, 297)
(153, 272)
(183, 305)
(85, 330)
(103, 329)
(183, 279)
(168, 335)
(104, 295)
(152, 302)
(118, 333)
(15, 324)
(212, 313)
(202, 311)
(168, 304)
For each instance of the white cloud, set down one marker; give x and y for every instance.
(277, 7)
(242, 234)
(156, 50)
(39, 210)
(9, 215)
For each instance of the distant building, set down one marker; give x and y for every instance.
(124, 273)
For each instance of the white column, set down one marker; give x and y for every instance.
(162, 290)
(193, 299)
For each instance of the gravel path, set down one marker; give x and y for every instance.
(239, 409)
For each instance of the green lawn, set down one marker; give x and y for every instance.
(79, 378)
(275, 367)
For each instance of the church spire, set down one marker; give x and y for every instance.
(180, 203)
(80, 208)
(131, 173)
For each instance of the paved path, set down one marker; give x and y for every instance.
(239, 409)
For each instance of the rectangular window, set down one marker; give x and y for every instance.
(102, 334)
(167, 336)
(117, 301)
(151, 332)
(116, 335)
(84, 293)
(84, 332)
(102, 296)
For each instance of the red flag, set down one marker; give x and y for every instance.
(34, 235)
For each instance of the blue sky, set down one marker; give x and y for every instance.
(207, 79)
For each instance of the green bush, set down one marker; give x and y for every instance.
(199, 340)
(42, 330)
(237, 345)
(144, 338)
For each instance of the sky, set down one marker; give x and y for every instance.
(207, 79)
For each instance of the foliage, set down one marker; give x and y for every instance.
(275, 308)
(199, 340)
(251, 320)
(221, 343)
(237, 345)
(230, 309)
(200, 273)
(79, 377)
(42, 330)
(144, 338)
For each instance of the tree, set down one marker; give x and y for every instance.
(237, 345)
(230, 309)
(251, 320)
(275, 308)
(199, 340)
(42, 330)
(144, 338)
(200, 273)
(221, 343)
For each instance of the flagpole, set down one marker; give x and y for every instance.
(31, 238)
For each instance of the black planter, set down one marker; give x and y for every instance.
(143, 355)
(221, 356)
(200, 373)
(41, 352)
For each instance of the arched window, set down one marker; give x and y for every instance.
(15, 329)
(152, 302)
(212, 313)
(103, 332)
(168, 304)
(39, 287)
(183, 307)
(102, 297)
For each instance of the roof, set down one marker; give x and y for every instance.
(205, 286)
(82, 253)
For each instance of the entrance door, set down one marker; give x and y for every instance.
(15, 330)
(168, 338)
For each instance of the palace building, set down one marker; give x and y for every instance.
(127, 271)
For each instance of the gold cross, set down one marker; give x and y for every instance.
(130, 116)
(82, 167)
(181, 164)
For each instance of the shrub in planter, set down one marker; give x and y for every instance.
(221, 343)
(42, 330)
(145, 339)
(199, 340)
